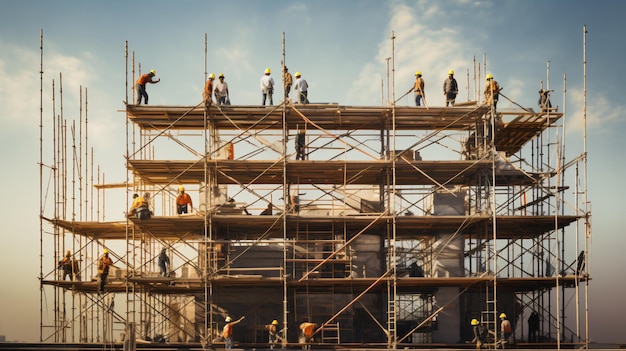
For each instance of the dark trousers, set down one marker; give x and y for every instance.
(141, 92)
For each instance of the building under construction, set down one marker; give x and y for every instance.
(394, 227)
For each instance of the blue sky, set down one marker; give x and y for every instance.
(340, 47)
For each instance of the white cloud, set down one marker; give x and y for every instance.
(601, 114)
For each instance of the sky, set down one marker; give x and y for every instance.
(341, 49)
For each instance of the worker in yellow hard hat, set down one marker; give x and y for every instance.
(103, 269)
(183, 201)
(450, 88)
(272, 330)
(492, 92)
(506, 331)
(418, 88)
(221, 91)
(141, 85)
(480, 333)
(207, 93)
(302, 87)
(267, 87)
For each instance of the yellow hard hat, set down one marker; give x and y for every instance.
(297, 74)
(475, 322)
(221, 75)
(274, 322)
(228, 319)
(211, 76)
(489, 76)
(181, 188)
(153, 72)
(418, 73)
(502, 315)
(268, 70)
(105, 251)
(451, 71)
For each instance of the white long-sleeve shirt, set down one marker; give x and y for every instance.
(301, 85)
(267, 83)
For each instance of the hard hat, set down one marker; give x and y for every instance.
(153, 72)
(475, 322)
(502, 315)
(268, 70)
(211, 76)
(228, 319)
(274, 322)
(451, 71)
(489, 76)
(105, 251)
(418, 73)
(297, 74)
(221, 75)
(181, 188)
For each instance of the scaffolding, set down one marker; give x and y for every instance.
(399, 226)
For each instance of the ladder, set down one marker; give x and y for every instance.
(330, 333)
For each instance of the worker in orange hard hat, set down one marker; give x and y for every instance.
(141, 85)
(267, 87)
(450, 88)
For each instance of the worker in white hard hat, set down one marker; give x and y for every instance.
(267, 87)
(227, 331)
(272, 330)
(141, 85)
(183, 201)
(221, 91)
(302, 87)
(103, 269)
(418, 88)
(450, 88)
(207, 93)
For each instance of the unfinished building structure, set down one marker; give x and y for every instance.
(399, 226)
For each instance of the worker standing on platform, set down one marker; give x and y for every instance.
(302, 87)
(306, 334)
(533, 327)
(208, 90)
(267, 87)
(272, 330)
(505, 330)
(450, 88)
(103, 269)
(287, 82)
(418, 88)
(492, 92)
(141, 86)
(183, 201)
(227, 331)
(164, 263)
(221, 91)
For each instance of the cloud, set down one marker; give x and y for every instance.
(601, 114)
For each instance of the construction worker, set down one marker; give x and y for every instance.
(227, 331)
(103, 269)
(533, 326)
(141, 86)
(287, 81)
(70, 267)
(164, 263)
(303, 88)
(183, 201)
(300, 142)
(505, 330)
(450, 89)
(267, 211)
(267, 87)
(140, 207)
(480, 333)
(221, 91)
(306, 334)
(208, 90)
(418, 88)
(492, 92)
(272, 330)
